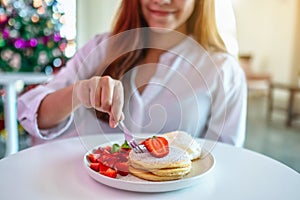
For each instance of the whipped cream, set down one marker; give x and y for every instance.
(184, 141)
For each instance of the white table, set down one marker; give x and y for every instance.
(9, 81)
(55, 171)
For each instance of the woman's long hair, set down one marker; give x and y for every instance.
(201, 25)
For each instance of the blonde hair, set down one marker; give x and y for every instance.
(203, 26)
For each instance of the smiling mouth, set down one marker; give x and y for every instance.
(161, 13)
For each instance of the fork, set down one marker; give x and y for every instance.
(130, 139)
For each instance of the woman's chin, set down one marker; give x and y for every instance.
(157, 29)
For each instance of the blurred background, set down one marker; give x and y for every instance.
(268, 34)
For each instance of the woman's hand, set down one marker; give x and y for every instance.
(104, 94)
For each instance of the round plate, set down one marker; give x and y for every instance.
(200, 167)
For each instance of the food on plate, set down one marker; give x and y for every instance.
(110, 160)
(176, 150)
(169, 157)
(157, 146)
(173, 166)
(184, 141)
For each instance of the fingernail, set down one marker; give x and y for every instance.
(114, 124)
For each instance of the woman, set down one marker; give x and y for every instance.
(163, 68)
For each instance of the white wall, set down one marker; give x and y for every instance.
(94, 16)
(267, 29)
(296, 76)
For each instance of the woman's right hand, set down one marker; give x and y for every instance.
(104, 94)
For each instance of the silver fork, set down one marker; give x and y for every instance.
(130, 139)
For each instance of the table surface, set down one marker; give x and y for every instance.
(55, 171)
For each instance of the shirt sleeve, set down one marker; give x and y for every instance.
(227, 122)
(81, 66)
(27, 114)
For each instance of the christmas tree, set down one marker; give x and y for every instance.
(30, 40)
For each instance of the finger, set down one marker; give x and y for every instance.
(92, 83)
(122, 117)
(82, 93)
(106, 85)
(95, 93)
(117, 103)
(112, 122)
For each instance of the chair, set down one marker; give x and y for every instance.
(292, 106)
(258, 83)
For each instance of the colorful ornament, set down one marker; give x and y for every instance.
(29, 35)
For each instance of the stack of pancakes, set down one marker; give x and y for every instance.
(171, 167)
(174, 166)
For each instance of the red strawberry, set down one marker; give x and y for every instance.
(107, 149)
(93, 157)
(104, 158)
(102, 168)
(99, 150)
(110, 173)
(157, 146)
(122, 168)
(111, 162)
(95, 166)
(122, 158)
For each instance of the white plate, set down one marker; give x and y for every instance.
(200, 167)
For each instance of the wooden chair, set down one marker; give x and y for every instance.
(258, 83)
(291, 110)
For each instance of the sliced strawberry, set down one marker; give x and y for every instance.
(95, 166)
(104, 158)
(107, 149)
(93, 157)
(122, 168)
(122, 158)
(157, 146)
(125, 150)
(99, 150)
(102, 168)
(111, 162)
(110, 173)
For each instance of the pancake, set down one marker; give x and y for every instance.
(171, 167)
(176, 158)
(178, 171)
(150, 176)
(181, 171)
